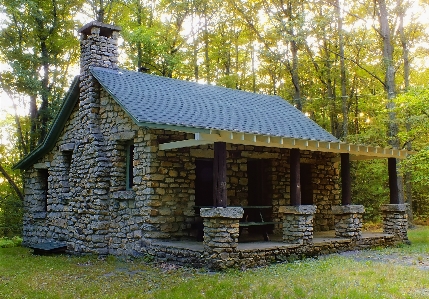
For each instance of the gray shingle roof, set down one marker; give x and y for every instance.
(158, 100)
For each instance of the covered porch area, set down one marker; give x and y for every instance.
(290, 229)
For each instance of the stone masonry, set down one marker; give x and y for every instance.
(221, 231)
(298, 224)
(348, 221)
(395, 221)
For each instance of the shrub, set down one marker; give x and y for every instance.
(13, 242)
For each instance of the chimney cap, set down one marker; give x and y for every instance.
(105, 29)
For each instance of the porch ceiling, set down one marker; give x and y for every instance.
(357, 152)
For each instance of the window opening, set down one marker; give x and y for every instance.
(130, 166)
(44, 175)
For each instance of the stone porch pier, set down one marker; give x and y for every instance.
(298, 224)
(395, 221)
(348, 221)
(221, 232)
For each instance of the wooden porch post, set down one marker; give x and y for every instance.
(393, 181)
(219, 175)
(295, 178)
(346, 190)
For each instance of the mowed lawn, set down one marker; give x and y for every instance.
(401, 272)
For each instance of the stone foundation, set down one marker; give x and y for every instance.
(298, 224)
(348, 221)
(395, 221)
(221, 231)
(245, 257)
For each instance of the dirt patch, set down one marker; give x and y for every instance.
(420, 261)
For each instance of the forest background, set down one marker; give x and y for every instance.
(357, 68)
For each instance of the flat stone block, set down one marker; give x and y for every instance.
(394, 208)
(348, 209)
(300, 210)
(219, 212)
(124, 195)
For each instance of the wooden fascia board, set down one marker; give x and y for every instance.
(360, 152)
(366, 152)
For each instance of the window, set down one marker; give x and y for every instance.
(130, 166)
(67, 160)
(44, 175)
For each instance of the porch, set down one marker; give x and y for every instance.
(296, 185)
(252, 253)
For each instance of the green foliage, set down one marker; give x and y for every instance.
(370, 186)
(413, 117)
(10, 215)
(11, 208)
(8, 243)
(37, 43)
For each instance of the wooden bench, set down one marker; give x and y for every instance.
(264, 225)
(45, 248)
(252, 223)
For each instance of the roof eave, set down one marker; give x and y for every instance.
(55, 129)
(359, 152)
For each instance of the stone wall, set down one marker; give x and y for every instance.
(173, 184)
(161, 203)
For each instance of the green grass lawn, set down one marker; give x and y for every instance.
(400, 272)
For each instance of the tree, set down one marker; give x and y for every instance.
(11, 197)
(413, 115)
(37, 42)
(152, 44)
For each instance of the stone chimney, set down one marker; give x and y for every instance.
(99, 48)
(90, 229)
(99, 45)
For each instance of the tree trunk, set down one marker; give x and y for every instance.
(253, 69)
(344, 98)
(43, 113)
(294, 52)
(406, 65)
(139, 44)
(11, 182)
(206, 47)
(390, 83)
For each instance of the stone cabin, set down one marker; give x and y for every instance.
(141, 164)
